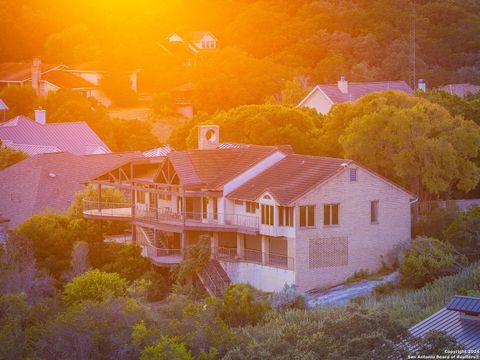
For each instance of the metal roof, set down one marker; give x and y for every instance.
(3, 106)
(465, 304)
(466, 330)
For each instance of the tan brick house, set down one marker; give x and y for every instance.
(272, 216)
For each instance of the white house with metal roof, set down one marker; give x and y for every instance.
(323, 97)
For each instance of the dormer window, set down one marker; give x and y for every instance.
(353, 175)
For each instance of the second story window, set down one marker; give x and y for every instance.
(374, 212)
(285, 216)
(251, 207)
(330, 214)
(307, 216)
(267, 215)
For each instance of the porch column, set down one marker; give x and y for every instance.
(265, 249)
(240, 245)
(291, 253)
(99, 197)
(214, 245)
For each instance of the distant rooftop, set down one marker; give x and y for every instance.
(461, 89)
(73, 137)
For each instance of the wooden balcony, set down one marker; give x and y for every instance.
(107, 210)
(257, 257)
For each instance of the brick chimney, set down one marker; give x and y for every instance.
(208, 137)
(36, 73)
(343, 85)
(41, 116)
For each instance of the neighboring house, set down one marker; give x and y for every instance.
(323, 97)
(460, 319)
(46, 78)
(271, 216)
(36, 137)
(50, 181)
(160, 151)
(196, 40)
(182, 100)
(461, 89)
(3, 110)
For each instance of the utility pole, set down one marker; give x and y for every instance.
(412, 66)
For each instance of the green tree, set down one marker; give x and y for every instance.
(9, 157)
(292, 92)
(407, 139)
(261, 125)
(21, 100)
(464, 232)
(426, 261)
(242, 305)
(117, 86)
(94, 285)
(166, 349)
(436, 343)
(52, 237)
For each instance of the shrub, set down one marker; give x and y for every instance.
(196, 257)
(288, 298)
(359, 275)
(464, 232)
(167, 348)
(94, 285)
(383, 289)
(435, 222)
(242, 305)
(158, 288)
(425, 261)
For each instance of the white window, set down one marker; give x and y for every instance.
(267, 215)
(285, 216)
(251, 207)
(353, 175)
(330, 214)
(307, 216)
(374, 212)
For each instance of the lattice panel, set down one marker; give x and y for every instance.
(328, 252)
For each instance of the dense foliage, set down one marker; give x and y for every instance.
(262, 42)
(9, 157)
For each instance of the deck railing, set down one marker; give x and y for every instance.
(106, 208)
(167, 214)
(257, 257)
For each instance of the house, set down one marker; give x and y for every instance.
(36, 137)
(197, 40)
(3, 110)
(46, 78)
(460, 319)
(323, 97)
(271, 216)
(49, 182)
(461, 89)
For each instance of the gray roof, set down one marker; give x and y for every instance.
(451, 319)
(461, 89)
(357, 89)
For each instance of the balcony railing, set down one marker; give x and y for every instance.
(107, 209)
(165, 214)
(257, 257)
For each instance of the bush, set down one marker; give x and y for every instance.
(196, 257)
(242, 305)
(426, 261)
(9, 157)
(167, 348)
(158, 288)
(94, 285)
(288, 298)
(435, 222)
(357, 276)
(383, 289)
(464, 232)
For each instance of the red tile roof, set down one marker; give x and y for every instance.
(50, 181)
(74, 137)
(22, 71)
(213, 168)
(289, 178)
(67, 80)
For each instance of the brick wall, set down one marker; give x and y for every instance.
(327, 255)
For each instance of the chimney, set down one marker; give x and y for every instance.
(422, 85)
(36, 73)
(41, 116)
(208, 137)
(343, 85)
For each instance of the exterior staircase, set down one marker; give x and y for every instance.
(214, 278)
(150, 234)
